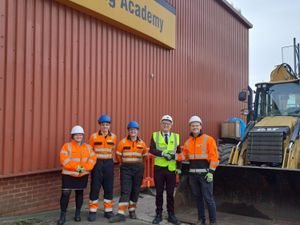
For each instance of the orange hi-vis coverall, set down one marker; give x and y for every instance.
(131, 155)
(202, 153)
(103, 172)
(73, 155)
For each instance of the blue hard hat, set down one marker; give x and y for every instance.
(133, 124)
(104, 119)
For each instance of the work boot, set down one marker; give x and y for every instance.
(132, 215)
(77, 217)
(108, 214)
(201, 222)
(117, 218)
(157, 219)
(92, 216)
(172, 219)
(62, 218)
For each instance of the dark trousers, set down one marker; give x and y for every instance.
(131, 177)
(65, 196)
(102, 175)
(203, 192)
(164, 178)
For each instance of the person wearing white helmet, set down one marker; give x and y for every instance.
(165, 145)
(77, 159)
(201, 151)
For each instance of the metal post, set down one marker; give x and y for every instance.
(295, 55)
(298, 59)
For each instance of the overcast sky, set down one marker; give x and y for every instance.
(275, 24)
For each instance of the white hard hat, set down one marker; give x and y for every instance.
(77, 130)
(195, 119)
(167, 117)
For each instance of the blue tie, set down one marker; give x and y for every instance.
(166, 138)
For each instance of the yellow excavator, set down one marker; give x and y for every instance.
(262, 176)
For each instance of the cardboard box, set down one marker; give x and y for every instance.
(230, 130)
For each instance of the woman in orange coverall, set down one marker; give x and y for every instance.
(77, 159)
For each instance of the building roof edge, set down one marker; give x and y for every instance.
(235, 13)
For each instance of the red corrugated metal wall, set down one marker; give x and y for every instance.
(59, 67)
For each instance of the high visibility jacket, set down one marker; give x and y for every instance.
(103, 146)
(202, 152)
(131, 152)
(73, 155)
(171, 148)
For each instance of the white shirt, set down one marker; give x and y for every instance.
(164, 135)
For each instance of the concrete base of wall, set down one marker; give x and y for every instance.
(36, 193)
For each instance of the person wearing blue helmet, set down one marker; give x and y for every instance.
(131, 152)
(103, 143)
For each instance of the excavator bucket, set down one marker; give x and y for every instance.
(268, 193)
(185, 207)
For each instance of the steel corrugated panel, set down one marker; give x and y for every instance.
(59, 67)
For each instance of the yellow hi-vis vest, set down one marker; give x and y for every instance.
(171, 148)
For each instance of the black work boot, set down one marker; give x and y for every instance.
(62, 218)
(77, 217)
(157, 219)
(117, 218)
(201, 222)
(108, 214)
(172, 219)
(92, 216)
(132, 215)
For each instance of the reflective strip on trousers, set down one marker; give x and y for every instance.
(122, 207)
(132, 206)
(106, 209)
(198, 170)
(104, 156)
(67, 172)
(123, 204)
(93, 205)
(107, 204)
(186, 162)
(131, 160)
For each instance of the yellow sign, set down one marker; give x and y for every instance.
(151, 19)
